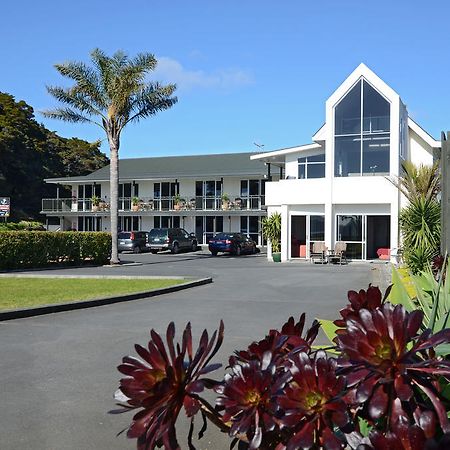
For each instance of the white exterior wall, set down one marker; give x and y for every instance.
(420, 152)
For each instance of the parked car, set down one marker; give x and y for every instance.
(133, 241)
(173, 239)
(234, 243)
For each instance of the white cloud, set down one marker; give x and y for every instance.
(170, 70)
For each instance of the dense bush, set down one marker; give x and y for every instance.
(22, 249)
(383, 388)
(23, 225)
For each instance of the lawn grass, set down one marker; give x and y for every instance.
(16, 292)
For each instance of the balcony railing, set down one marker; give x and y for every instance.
(148, 204)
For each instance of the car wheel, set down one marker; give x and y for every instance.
(175, 248)
(194, 246)
(137, 249)
(154, 251)
(214, 252)
(237, 252)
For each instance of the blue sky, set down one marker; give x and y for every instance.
(247, 71)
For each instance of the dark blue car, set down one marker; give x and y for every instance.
(233, 243)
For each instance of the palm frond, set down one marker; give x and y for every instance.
(75, 99)
(87, 82)
(155, 97)
(67, 115)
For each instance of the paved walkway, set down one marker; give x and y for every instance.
(58, 372)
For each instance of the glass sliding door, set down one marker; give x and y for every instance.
(364, 234)
(349, 229)
(305, 230)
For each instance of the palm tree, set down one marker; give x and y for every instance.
(420, 220)
(111, 94)
(419, 181)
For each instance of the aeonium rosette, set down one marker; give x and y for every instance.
(167, 378)
(313, 404)
(247, 397)
(392, 370)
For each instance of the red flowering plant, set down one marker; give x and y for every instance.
(283, 394)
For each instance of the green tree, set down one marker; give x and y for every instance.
(29, 153)
(111, 93)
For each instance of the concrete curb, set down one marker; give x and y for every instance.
(60, 307)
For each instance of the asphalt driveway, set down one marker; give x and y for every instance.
(58, 372)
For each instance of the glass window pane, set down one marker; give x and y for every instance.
(219, 224)
(244, 224)
(349, 228)
(253, 222)
(254, 187)
(347, 156)
(156, 222)
(218, 188)
(376, 154)
(157, 191)
(164, 189)
(209, 224)
(354, 250)
(317, 228)
(199, 188)
(302, 160)
(176, 221)
(88, 191)
(127, 189)
(301, 171)
(316, 170)
(348, 112)
(317, 158)
(376, 110)
(244, 188)
(210, 188)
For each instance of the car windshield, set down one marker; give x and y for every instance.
(222, 236)
(158, 232)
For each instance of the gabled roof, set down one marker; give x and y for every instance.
(423, 134)
(362, 71)
(173, 167)
(277, 156)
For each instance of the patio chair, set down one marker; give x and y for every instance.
(338, 255)
(319, 253)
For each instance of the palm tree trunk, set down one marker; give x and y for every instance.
(114, 196)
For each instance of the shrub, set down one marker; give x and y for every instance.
(386, 389)
(271, 230)
(25, 249)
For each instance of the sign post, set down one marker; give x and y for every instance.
(5, 207)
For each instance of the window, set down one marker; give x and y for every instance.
(208, 194)
(250, 227)
(362, 133)
(166, 222)
(311, 167)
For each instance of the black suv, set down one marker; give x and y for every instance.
(133, 241)
(173, 239)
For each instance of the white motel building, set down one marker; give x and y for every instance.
(336, 188)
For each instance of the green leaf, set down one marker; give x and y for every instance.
(329, 328)
(399, 295)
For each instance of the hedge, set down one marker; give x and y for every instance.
(25, 249)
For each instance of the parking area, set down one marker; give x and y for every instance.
(58, 372)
